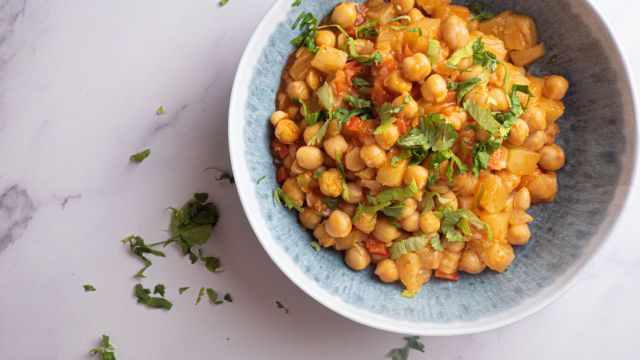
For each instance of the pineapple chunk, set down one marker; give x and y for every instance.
(430, 30)
(495, 195)
(444, 11)
(527, 56)
(517, 31)
(499, 224)
(429, 6)
(535, 86)
(522, 162)
(329, 60)
(380, 11)
(300, 67)
(392, 176)
(498, 256)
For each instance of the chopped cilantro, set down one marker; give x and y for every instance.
(374, 58)
(223, 2)
(483, 16)
(436, 244)
(416, 29)
(88, 288)
(477, 6)
(200, 295)
(140, 156)
(227, 297)
(183, 289)
(159, 289)
(212, 263)
(106, 350)
(367, 30)
(413, 342)
(408, 294)
(213, 297)
(434, 51)
(280, 306)
(280, 197)
(260, 179)
(306, 22)
(139, 249)
(160, 110)
(224, 175)
(332, 203)
(296, 3)
(401, 247)
(454, 224)
(144, 297)
(387, 113)
(483, 57)
(315, 245)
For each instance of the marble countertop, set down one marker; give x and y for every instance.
(80, 82)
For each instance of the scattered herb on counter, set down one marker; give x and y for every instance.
(212, 263)
(280, 306)
(183, 289)
(224, 175)
(227, 297)
(223, 2)
(200, 295)
(88, 288)
(296, 3)
(140, 156)
(413, 342)
(553, 59)
(160, 110)
(315, 245)
(213, 296)
(159, 289)
(144, 297)
(139, 249)
(408, 294)
(106, 350)
(260, 179)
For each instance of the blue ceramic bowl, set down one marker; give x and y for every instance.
(598, 133)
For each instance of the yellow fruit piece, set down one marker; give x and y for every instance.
(495, 195)
(554, 109)
(522, 162)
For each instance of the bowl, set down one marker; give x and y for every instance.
(598, 133)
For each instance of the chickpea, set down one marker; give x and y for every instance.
(384, 231)
(326, 38)
(311, 131)
(475, 72)
(410, 206)
(519, 132)
(509, 180)
(388, 138)
(551, 157)
(287, 131)
(403, 6)
(357, 259)
(416, 173)
(543, 188)
(355, 193)
(293, 191)
(309, 218)
(392, 176)
(522, 199)
(338, 224)
(387, 271)
(352, 160)
(410, 109)
(518, 234)
(342, 41)
(365, 222)
(313, 79)
(536, 118)
(397, 83)
(415, 15)
(298, 90)
(429, 222)
(455, 32)
(372, 155)
(296, 169)
(331, 183)
(364, 47)
(323, 238)
(335, 145)
(465, 184)
(409, 269)
(349, 209)
(434, 89)
(470, 263)
(309, 157)
(411, 223)
(277, 116)
(535, 141)
(454, 247)
(458, 119)
(345, 14)
(501, 103)
(555, 87)
(416, 67)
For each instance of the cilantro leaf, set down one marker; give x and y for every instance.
(227, 297)
(159, 289)
(397, 194)
(317, 138)
(436, 244)
(140, 156)
(200, 295)
(432, 133)
(409, 295)
(224, 175)
(416, 29)
(482, 116)
(139, 249)
(484, 16)
(412, 342)
(394, 211)
(332, 203)
(315, 245)
(88, 288)
(222, 3)
(106, 350)
(465, 87)
(481, 154)
(145, 298)
(183, 289)
(213, 297)
(367, 30)
(454, 224)
(461, 53)
(160, 110)
(306, 22)
(374, 58)
(260, 179)
(280, 306)
(296, 3)
(325, 96)
(281, 197)
(212, 263)
(483, 57)
(477, 6)
(402, 247)
(387, 114)
(434, 51)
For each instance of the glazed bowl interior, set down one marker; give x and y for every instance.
(597, 132)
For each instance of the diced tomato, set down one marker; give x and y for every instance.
(386, 68)
(279, 148)
(379, 95)
(375, 246)
(407, 52)
(446, 276)
(351, 30)
(351, 70)
(403, 125)
(498, 159)
(282, 174)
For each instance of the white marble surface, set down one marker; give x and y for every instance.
(79, 85)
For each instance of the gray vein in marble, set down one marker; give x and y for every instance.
(168, 120)
(65, 200)
(16, 211)
(10, 12)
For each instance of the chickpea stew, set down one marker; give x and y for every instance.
(409, 134)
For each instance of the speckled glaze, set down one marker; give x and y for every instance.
(598, 133)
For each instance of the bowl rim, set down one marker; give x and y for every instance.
(246, 191)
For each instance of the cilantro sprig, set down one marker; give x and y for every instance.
(412, 342)
(155, 302)
(106, 350)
